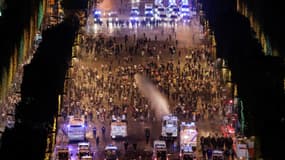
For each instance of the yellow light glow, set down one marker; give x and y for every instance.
(25, 49)
(54, 124)
(235, 91)
(59, 104)
(0, 88)
(15, 60)
(10, 73)
(4, 83)
(256, 26)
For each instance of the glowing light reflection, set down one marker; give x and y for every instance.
(20, 53)
(256, 26)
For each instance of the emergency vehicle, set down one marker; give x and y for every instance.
(76, 129)
(119, 127)
(62, 153)
(241, 149)
(218, 155)
(87, 158)
(84, 150)
(148, 12)
(158, 3)
(148, 7)
(97, 16)
(83, 145)
(187, 153)
(169, 127)
(134, 15)
(159, 150)
(111, 152)
(188, 139)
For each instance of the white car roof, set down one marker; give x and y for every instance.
(87, 157)
(169, 117)
(83, 144)
(159, 144)
(110, 147)
(218, 152)
(76, 120)
(188, 124)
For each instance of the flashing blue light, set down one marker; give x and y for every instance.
(133, 14)
(173, 16)
(186, 18)
(185, 8)
(162, 16)
(148, 10)
(148, 15)
(185, 2)
(176, 9)
(97, 14)
(160, 9)
(171, 6)
(185, 13)
(111, 146)
(135, 10)
(134, 18)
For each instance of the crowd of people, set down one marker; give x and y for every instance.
(103, 81)
(219, 143)
(11, 92)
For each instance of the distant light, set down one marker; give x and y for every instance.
(0, 13)
(231, 101)
(97, 12)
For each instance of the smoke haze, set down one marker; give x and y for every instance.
(148, 90)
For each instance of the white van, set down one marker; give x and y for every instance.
(159, 150)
